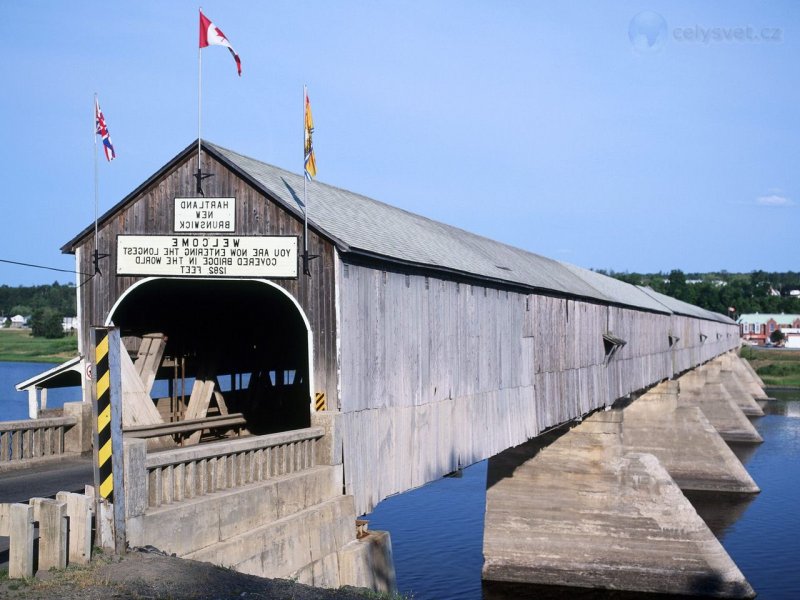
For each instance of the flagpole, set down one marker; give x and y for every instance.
(96, 180)
(305, 200)
(199, 110)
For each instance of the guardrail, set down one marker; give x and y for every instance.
(33, 438)
(183, 473)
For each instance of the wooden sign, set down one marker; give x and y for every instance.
(205, 215)
(207, 256)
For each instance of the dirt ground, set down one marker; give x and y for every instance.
(151, 576)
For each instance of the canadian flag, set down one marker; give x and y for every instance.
(211, 35)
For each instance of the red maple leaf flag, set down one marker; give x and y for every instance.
(211, 35)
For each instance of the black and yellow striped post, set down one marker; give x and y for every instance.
(320, 403)
(107, 411)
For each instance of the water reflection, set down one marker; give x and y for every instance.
(515, 591)
(783, 404)
(744, 452)
(719, 511)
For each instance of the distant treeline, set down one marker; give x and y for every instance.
(22, 300)
(758, 291)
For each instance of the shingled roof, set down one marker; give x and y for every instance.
(679, 307)
(361, 226)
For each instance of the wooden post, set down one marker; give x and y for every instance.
(79, 512)
(108, 425)
(52, 518)
(20, 554)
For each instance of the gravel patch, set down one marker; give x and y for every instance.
(153, 576)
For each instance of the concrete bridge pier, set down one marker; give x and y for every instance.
(684, 441)
(740, 395)
(586, 512)
(747, 377)
(749, 368)
(703, 388)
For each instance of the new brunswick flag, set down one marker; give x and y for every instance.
(310, 161)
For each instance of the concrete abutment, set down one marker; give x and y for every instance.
(296, 524)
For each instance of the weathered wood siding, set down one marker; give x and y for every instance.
(645, 358)
(427, 380)
(152, 212)
(565, 337)
(437, 374)
(692, 349)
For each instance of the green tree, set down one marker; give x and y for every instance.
(707, 296)
(678, 288)
(777, 336)
(20, 309)
(46, 323)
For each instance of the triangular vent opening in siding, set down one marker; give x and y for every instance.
(612, 344)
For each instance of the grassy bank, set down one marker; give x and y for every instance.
(775, 367)
(20, 346)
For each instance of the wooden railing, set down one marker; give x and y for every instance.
(177, 475)
(33, 438)
(182, 429)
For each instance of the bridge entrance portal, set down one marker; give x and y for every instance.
(247, 341)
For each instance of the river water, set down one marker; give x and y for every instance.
(437, 530)
(14, 404)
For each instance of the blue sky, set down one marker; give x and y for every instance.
(553, 126)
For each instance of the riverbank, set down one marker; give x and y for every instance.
(18, 345)
(154, 575)
(777, 367)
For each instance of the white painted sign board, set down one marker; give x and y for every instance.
(205, 215)
(207, 255)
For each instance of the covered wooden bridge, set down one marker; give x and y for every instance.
(434, 347)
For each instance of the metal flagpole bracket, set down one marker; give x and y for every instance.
(307, 258)
(96, 260)
(200, 176)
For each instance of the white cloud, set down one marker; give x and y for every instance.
(774, 200)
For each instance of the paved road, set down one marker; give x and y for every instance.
(44, 481)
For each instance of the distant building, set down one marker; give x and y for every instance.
(69, 324)
(18, 321)
(792, 337)
(758, 327)
(714, 282)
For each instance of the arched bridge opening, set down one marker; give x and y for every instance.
(219, 347)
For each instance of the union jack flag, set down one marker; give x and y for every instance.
(102, 131)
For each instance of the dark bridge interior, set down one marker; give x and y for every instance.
(246, 334)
